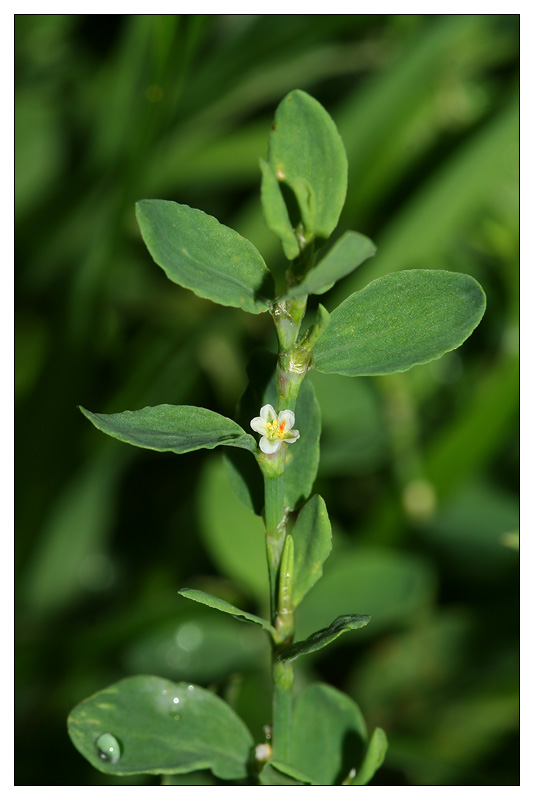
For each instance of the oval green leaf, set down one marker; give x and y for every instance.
(400, 320)
(350, 250)
(177, 429)
(199, 253)
(374, 758)
(312, 538)
(329, 734)
(306, 153)
(161, 728)
(302, 460)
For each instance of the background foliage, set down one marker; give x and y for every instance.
(419, 469)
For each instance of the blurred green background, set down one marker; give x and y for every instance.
(419, 470)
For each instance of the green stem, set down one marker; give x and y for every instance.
(287, 316)
(275, 530)
(283, 672)
(280, 560)
(283, 683)
(290, 373)
(293, 363)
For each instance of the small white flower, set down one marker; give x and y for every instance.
(274, 428)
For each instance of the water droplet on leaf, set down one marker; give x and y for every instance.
(108, 748)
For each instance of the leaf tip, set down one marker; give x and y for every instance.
(139, 206)
(85, 411)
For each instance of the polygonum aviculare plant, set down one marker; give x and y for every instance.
(147, 724)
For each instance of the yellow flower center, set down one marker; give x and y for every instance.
(274, 430)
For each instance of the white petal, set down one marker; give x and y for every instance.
(267, 446)
(258, 424)
(267, 413)
(295, 435)
(288, 417)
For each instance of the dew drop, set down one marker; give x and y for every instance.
(176, 700)
(108, 748)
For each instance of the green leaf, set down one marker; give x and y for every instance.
(199, 253)
(222, 605)
(312, 537)
(275, 211)
(270, 776)
(400, 320)
(374, 758)
(329, 733)
(302, 460)
(320, 639)
(306, 153)
(178, 429)
(161, 728)
(350, 250)
(277, 773)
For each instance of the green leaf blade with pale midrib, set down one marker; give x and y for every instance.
(176, 429)
(161, 728)
(328, 734)
(312, 536)
(227, 608)
(400, 320)
(199, 253)
(324, 637)
(306, 152)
